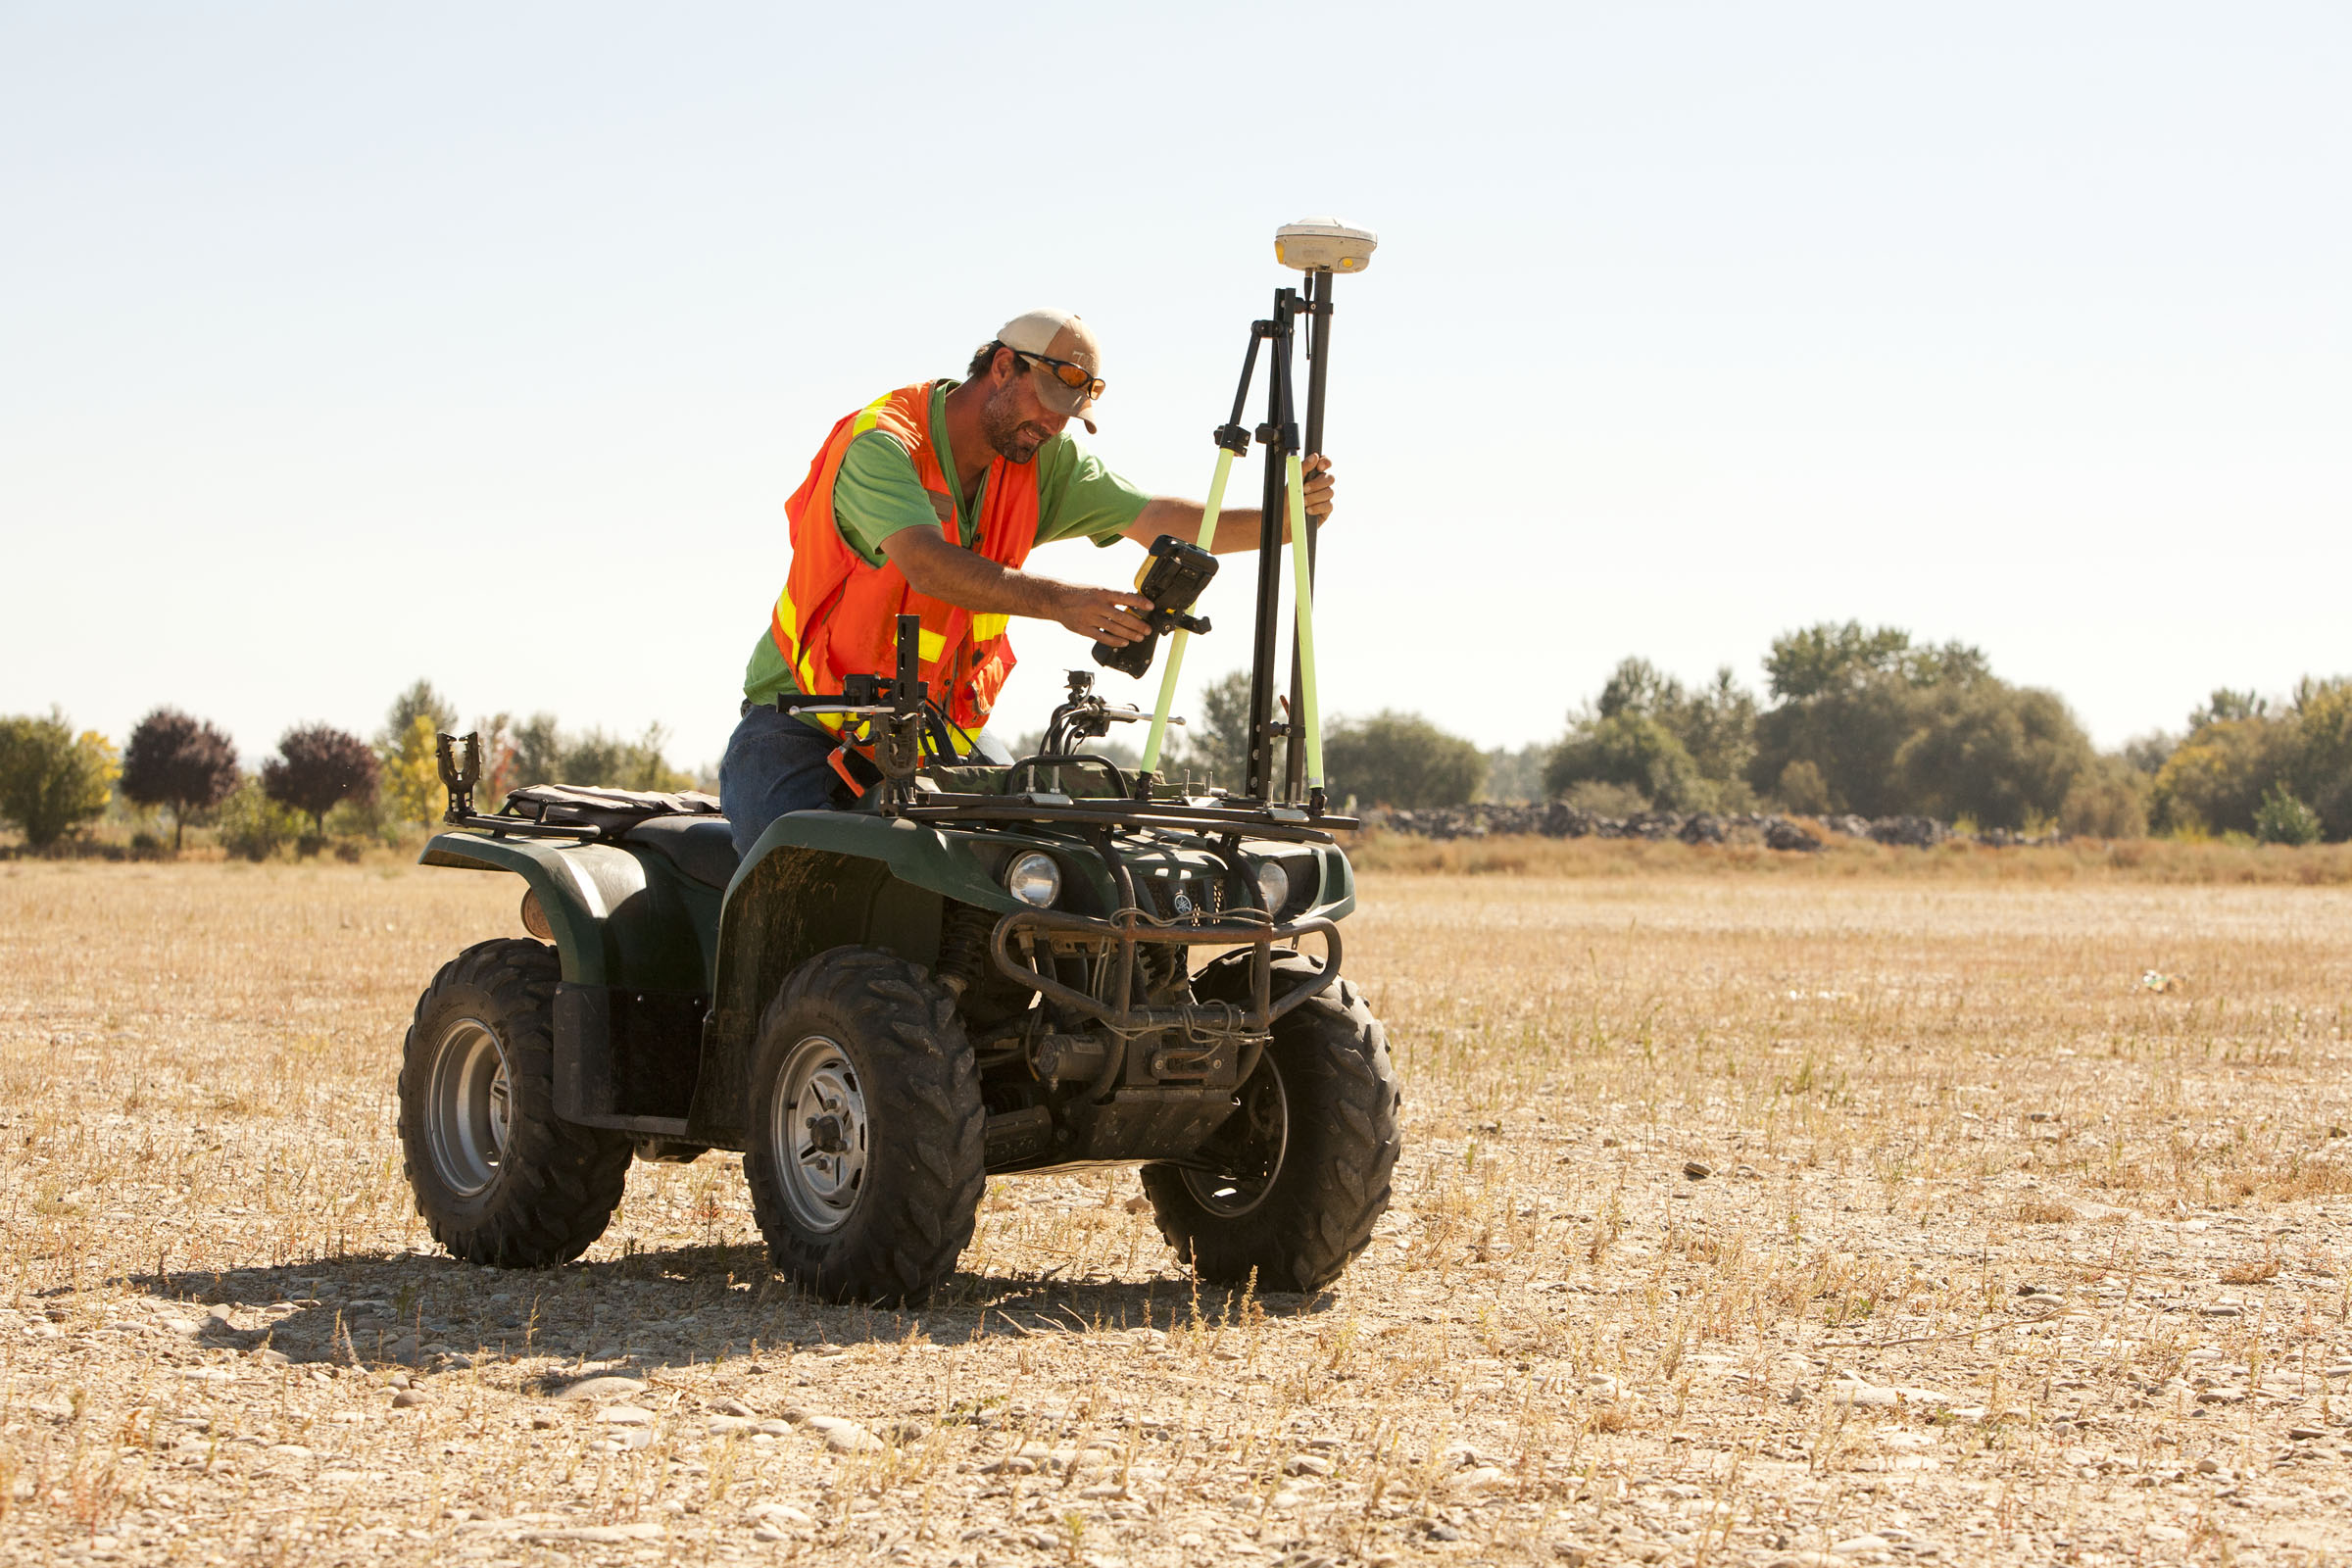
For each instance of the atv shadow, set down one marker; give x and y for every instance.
(647, 1310)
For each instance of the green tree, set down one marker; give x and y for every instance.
(420, 701)
(1214, 743)
(2226, 706)
(2214, 780)
(538, 751)
(1516, 775)
(2003, 754)
(1833, 657)
(1846, 702)
(1681, 749)
(2109, 800)
(614, 761)
(1631, 750)
(52, 779)
(2318, 763)
(1401, 760)
(1848, 735)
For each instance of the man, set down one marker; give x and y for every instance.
(927, 502)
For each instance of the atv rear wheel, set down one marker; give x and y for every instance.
(498, 1177)
(865, 1153)
(1300, 1170)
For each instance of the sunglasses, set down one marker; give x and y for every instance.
(1074, 377)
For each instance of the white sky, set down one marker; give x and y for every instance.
(341, 345)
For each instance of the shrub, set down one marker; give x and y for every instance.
(2280, 819)
(1605, 800)
(1401, 760)
(52, 779)
(318, 768)
(253, 826)
(179, 762)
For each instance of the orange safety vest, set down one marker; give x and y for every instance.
(837, 615)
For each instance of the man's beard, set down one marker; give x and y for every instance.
(1007, 437)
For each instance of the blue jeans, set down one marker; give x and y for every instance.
(775, 764)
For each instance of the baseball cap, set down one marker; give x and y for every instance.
(1057, 335)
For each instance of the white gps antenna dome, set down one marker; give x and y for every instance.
(1324, 245)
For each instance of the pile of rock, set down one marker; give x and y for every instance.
(1557, 819)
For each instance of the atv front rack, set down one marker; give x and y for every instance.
(1131, 926)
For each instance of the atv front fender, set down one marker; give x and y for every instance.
(817, 880)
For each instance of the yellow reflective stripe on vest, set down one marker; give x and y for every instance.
(930, 645)
(788, 616)
(988, 628)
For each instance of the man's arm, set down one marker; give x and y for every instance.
(1237, 526)
(967, 579)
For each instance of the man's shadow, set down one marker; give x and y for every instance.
(649, 1310)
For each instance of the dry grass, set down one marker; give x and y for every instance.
(1998, 1251)
(2092, 861)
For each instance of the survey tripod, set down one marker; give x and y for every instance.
(1319, 248)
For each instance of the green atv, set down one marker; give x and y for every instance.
(978, 970)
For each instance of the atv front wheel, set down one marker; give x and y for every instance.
(1293, 1182)
(865, 1152)
(498, 1177)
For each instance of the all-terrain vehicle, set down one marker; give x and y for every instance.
(975, 970)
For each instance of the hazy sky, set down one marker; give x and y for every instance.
(342, 345)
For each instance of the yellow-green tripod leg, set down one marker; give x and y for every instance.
(1302, 585)
(1168, 677)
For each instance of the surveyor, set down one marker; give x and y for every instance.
(927, 502)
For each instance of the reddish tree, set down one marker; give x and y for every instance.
(178, 761)
(318, 768)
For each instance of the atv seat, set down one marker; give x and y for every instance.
(685, 827)
(701, 846)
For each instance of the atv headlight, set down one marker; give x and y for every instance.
(1034, 878)
(1273, 885)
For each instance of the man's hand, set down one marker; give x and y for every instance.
(1320, 486)
(1106, 614)
(1237, 526)
(961, 576)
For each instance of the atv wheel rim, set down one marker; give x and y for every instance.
(1253, 1141)
(819, 1135)
(468, 1107)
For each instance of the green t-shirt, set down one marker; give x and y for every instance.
(876, 494)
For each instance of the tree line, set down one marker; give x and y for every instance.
(1868, 721)
(1852, 719)
(323, 786)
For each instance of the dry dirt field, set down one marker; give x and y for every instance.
(1744, 1218)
